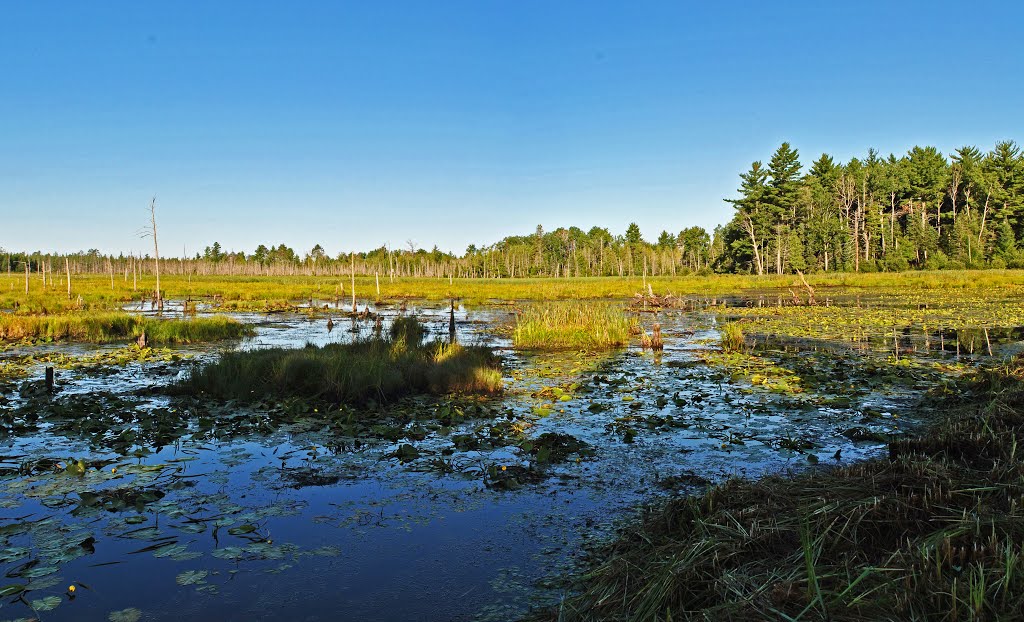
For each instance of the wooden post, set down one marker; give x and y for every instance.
(451, 323)
(67, 268)
(26, 274)
(376, 276)
(49, 380)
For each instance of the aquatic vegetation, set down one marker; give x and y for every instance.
(731, 336)
(932, 531)
(369, 369)
(552, 447)
(572, 326)
(576, 437)
(960, 322)
(119, 326)
(194, 330)
(756, 370)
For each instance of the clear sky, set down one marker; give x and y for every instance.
(358, 124)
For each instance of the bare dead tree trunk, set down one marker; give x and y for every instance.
(954, 190)
(892, 218)
(984, 215)
(748, 224)
(156, 253)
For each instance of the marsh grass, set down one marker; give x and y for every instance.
(377, 368)
(257, 293)
(572, 326)
(933, 532)
(731, 337)
(108, 327)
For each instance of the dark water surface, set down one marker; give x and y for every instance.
(293, 520)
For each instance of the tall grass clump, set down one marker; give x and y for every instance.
(378, 368)
(572, 326)
(730, 336)
(935, 531)
(108, 327)
(194, 330)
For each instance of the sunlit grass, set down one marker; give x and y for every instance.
(106, 327)
(92, 292)
(379, 368)
(731, 336)
(572, 326)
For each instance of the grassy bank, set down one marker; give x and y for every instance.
(935, 532)
(378, 368)
(108, 327)
(572, 326)
(92, 292)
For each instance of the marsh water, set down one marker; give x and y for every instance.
(158, 508)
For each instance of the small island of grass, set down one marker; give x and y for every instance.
(378, 368)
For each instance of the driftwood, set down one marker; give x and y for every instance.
(651, 302)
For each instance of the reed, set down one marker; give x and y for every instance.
(731, 337)
(572, 326)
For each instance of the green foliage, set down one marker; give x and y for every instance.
(890, 213)
(633, 234)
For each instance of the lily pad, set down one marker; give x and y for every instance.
(191, 577)
(125, 615)
(47, 604)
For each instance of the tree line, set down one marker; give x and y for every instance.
(918, 211)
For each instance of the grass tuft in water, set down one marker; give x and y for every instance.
(731, 337)
(378, 368)
(572, 326)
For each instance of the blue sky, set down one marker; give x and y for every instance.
(358, 124)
